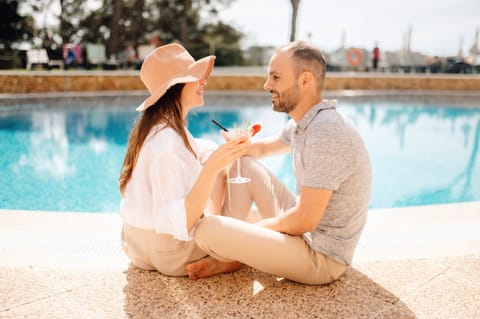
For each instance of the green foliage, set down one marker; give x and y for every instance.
(223, 41)
(118, 23)
(13, 27)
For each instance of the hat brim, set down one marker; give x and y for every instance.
(199, 70)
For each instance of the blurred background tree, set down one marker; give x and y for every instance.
(13, 27)
(223, 41)
(119, 23)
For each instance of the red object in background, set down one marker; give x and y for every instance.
(72, 53)
(376, 53)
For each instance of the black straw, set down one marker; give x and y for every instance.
(220, 125)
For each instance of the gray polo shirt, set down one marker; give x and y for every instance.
(328, 153)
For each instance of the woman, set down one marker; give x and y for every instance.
(167, 176)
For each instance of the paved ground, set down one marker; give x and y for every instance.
(421, 262)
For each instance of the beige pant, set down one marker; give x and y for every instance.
(149, 250)
(229, 239)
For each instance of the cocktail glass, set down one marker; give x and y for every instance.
(235, 132)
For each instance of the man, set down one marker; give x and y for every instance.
(311, 239)
(376, 57)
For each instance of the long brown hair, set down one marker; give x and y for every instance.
(168, 110)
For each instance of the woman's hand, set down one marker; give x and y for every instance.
(218, 161)
(227, 153)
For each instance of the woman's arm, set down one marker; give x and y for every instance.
(219, 160)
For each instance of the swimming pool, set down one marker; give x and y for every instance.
(64, 154)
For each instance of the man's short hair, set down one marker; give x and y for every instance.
(307, 58)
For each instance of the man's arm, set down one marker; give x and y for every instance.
(267, 147)
(303, 217)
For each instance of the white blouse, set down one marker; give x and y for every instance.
(162, 177)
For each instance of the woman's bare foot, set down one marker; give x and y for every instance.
(209, 266)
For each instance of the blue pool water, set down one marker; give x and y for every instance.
(64, 154)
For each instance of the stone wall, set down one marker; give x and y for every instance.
(68, 82)
(37, 82)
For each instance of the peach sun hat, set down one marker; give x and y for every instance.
(169, 65)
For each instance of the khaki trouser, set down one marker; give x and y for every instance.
(228, 239)
(149, 250)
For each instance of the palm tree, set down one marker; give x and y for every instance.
(115, 28)
(295, 4)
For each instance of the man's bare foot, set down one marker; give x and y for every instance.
(209, 266)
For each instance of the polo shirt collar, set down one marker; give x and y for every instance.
(313, 112)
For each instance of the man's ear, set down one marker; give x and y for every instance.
(305, 79)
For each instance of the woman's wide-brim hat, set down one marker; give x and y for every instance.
(169, 65)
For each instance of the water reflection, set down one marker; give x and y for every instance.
(65, 154)
(63, 157)
(459, 189)
(421, 154)
(48, 151)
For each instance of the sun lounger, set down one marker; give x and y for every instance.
(97, 57)
(144, 50)
(37, 57)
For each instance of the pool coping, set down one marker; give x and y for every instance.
(390, 233)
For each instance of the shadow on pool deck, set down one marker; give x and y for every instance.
(252, 294)
(47, 293)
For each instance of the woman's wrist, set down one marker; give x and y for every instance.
(205, 157)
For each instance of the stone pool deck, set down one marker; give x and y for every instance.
(416, 262)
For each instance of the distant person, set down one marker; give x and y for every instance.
(376, 57)
(128, 57)
(168, 177)
(436, 65)
(69, 56)
(312, 236)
